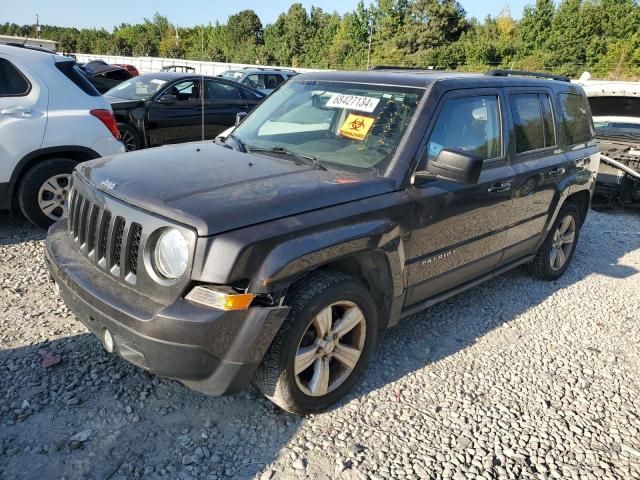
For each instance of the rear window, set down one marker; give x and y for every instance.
(576, 121)
(12, 82)
(73, 73)
(533, 121)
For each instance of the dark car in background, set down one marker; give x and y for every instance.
(104, 76)
(264, 79)
(169, 107)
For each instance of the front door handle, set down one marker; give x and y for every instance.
(16, 111)
(499, 187)
(556, 172)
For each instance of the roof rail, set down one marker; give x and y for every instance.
(393, 67)
(524, 73)
(28, 47)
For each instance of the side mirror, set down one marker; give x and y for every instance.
(167, 99)
(456, 165)
(240, 117)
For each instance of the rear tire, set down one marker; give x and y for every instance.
(129, 137)
(291, 378)
(44, 189)
(555, 254)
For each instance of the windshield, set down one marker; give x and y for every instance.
(617, 128)
(137, 88)
(232, 75)
(342, 126)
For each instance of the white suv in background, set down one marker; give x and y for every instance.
(51, 118)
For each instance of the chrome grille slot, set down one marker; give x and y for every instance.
(102, 236)
(82, 221)
(135, 234)
(76, 211)
(71, 199)
(116, 244)
(91, 228)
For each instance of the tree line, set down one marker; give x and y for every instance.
(601, 36)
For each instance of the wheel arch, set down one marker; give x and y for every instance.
(372, 269)
(76, 153)
(582, 199)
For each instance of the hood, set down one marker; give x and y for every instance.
(215, 189)
(122, 103)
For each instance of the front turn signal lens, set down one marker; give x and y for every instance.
(220, 297)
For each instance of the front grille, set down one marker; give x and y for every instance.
(110, 241)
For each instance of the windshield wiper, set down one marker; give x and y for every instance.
(302, 159)
(618, 135)
(240, 143)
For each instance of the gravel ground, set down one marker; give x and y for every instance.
(515, 379)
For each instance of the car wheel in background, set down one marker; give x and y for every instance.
(44, 190)
(129, 137)
(324, 345)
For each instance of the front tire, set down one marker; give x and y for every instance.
(557, 251)
(44, 189)
(324, 345)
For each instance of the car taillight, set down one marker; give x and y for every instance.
(108, 118)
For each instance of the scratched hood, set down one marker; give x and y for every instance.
(215, 189)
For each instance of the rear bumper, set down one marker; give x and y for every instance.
(209, 350)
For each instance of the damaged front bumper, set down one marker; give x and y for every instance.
(209, 350)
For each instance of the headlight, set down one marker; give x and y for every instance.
(171, 254)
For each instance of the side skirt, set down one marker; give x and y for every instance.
(410, 310)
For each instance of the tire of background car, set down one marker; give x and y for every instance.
(555, 254)
(332, 325)
(42, 193)
(129, 137)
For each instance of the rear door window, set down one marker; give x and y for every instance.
(532, 121)
(576, 121)
(272, 81)
(12, 82)
(471, 124)
(254, 81)
(220, 91)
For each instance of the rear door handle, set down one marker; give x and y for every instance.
(499, 187)
(16, 111)
(556, 172)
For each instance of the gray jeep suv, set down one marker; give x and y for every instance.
(343, 203)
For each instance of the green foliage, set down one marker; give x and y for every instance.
(568, 37)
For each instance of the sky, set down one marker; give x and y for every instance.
(92, 13)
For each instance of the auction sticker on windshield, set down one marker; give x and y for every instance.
(356, 126)
(353, 102)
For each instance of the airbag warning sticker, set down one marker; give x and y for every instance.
(356, 126)
(353, 102)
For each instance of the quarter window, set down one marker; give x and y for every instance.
(12, 82)
(471, 124)
(575, 118)
(533, 122)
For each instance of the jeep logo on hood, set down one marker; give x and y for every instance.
(108, 184)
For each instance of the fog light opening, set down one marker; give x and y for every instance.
(107, 341)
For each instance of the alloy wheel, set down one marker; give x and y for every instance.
(52, 196)
(330, 348)
(128, 140)
(562, 243)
